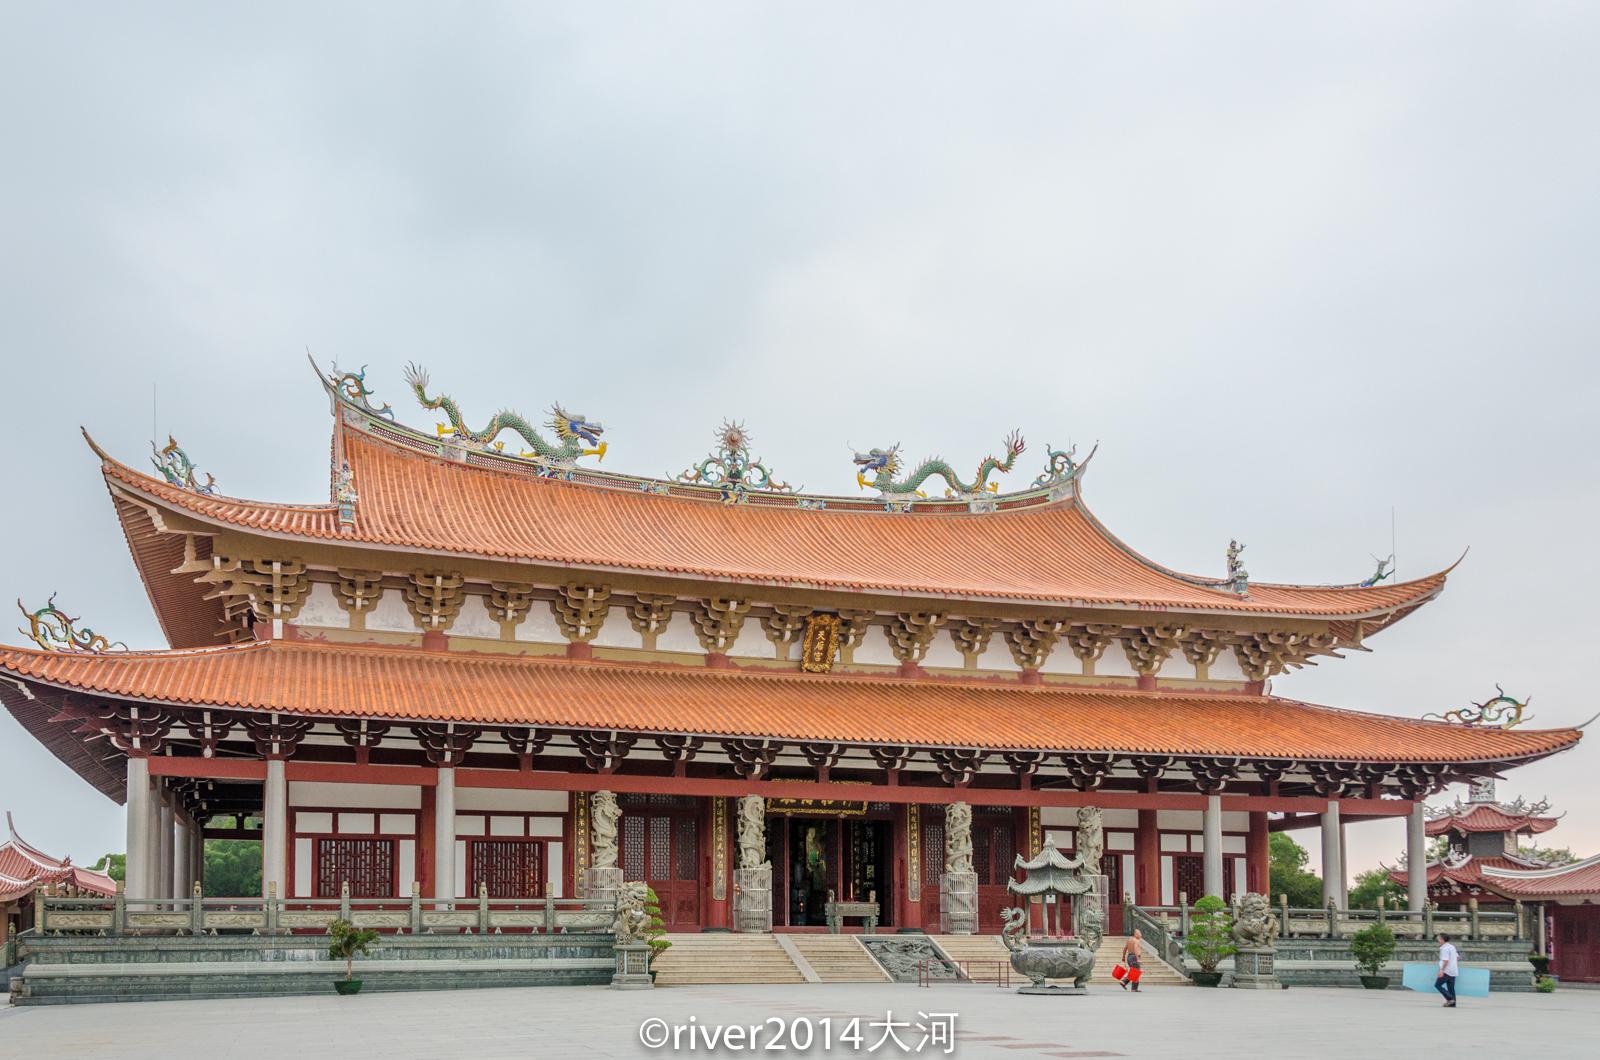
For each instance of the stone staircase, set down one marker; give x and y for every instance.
(838, 959)
(981, 952)
(723, 957)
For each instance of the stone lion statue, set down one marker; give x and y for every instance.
(1254, 925)
(631, 915)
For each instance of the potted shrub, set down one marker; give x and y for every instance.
(655, 929)
(1545, 985)
(345, 942)
(1541, 964)
(1210, 938)
(1373, 947)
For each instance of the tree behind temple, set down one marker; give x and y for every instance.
(1289, 874)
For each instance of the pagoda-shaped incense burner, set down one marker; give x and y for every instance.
(1057, 882)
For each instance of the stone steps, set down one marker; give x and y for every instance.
(720, 957)
(981, 952)
(838, 959)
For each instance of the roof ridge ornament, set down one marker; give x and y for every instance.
(176, 467)
(352, 387)
(732, 469)
(1238, 577)
(54, 630)
(576, 435)
(886, 463)
(1384, 572)
(1497, 712)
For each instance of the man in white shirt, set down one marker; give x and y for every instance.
(1449, 968)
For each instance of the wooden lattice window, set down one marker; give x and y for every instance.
(687, 847)
(994, 852)
(633, 833)
(660, 848)
(510, 868)
(932, 852)
(367, 864)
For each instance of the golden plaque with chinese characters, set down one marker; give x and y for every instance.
(821, 644)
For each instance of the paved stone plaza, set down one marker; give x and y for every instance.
(584, 1021)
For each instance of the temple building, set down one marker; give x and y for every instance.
(1484, 861)
(442, 673)
(25, 870)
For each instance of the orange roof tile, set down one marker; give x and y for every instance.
(1487, 817)
(410, 684)
(1051, 553)
(1563, 881)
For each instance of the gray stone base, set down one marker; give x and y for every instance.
(752, 900)
(958, 903)
(633, 968)
(1053, 990)
(601, 883)
(1253, 969)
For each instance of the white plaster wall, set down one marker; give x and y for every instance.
(752, 642)
(617, 631)
(942, 652)
(1120, 818)
(1120, 840)
(1226, 667)
(313, 823)
(544, 826)
(391, 614)
(472, 826)
(1232, 844)
(511, 800)
(406, 866)
(539, 627)
(1059, 661)
(1063, 838)
(1239, 878)
(1187, 819)
(461, 868)
(397, 824)
(553, 869)
(678, 635)
(1114, 663)
(1235, 821)
(1175, 844)
(475, 620)
(384, 796)
(876, 649)
(1064, 816)
(321, 609)
(302, 868)
(1168, 897)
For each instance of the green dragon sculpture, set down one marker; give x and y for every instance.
(884, 464)
(576, 436)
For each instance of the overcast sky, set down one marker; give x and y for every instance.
(1293, 268)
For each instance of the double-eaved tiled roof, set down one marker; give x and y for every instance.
(409, 684)
(1052, 553)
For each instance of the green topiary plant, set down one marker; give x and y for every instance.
(1210, 935)
(656, 929)
(1545, 985)
(345, 941)
(1372, 947)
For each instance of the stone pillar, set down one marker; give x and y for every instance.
(152, 841)
(444, 836)
(164, 887)
(752, 882)
(958, 886)
(1212, 857)
(137, 866)
(1332, 862)
(603, 879)
(274, 831)
(1416, 859)
(1344, 859)
(182, 858)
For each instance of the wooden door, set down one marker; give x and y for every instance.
(1577, 948)
(662, 848)
(509, 868)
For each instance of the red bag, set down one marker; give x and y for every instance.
(1118, 972)
(1133, 976)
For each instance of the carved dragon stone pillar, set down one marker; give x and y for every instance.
(958, 887)
(603, 878)
(752, 881)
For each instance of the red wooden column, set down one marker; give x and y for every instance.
(424, 862)
(1146, 861)
(1258, 855)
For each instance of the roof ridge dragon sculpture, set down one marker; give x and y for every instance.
(176, 467)
(576, 435)
(884, 464)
